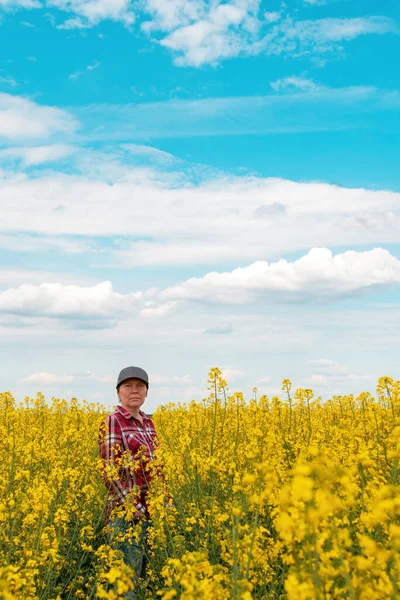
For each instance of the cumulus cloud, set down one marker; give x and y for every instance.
(223, 31)
(23, 118)
(69, 301)
(319, 276)
(79, 306)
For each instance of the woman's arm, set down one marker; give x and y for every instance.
(115, 464)
(110, 446)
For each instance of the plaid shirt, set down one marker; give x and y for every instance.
(122, 433)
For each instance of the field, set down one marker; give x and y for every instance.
(272, 498)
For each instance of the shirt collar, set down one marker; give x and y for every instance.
(128, 415)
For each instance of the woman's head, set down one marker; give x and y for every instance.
(132, 388)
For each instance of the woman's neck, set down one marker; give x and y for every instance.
(136, 415)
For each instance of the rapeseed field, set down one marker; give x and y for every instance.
(275, 498)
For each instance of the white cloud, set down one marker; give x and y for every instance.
(79, 306)
(182, 253)
(206, 42)
(36, 155)
(213, 32)
(201, 32)
(77, 74)
(318, 2)
(231, 375)
(32, 243)
(89, 375)
(272, 17)
(23, 118)
(346, 29)
(158, 311)
(319, 276)
(370, 220)
(88, 13)
(295, 84)
(93, 66)
(322, 35)
(335, 375)
(278, 216)
(169, 380)
(205, 32)
(352, 377)
(69, 301)
(266, 379)
(20, 4)
(158, 156)
(45, 378)
(174, 13)
(15, 277)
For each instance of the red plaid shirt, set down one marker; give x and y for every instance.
(123, 433)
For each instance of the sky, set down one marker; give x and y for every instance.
(199, 183)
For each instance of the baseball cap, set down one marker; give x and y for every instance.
(130, 372)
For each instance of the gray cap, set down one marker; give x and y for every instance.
(133, 372)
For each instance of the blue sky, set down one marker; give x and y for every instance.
(190, 183)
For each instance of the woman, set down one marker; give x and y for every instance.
(127, 445)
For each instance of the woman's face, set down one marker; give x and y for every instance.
(132, 393)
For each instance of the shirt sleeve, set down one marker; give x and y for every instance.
(110, 445)
(111, 449)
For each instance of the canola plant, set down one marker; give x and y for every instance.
(266, 498)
